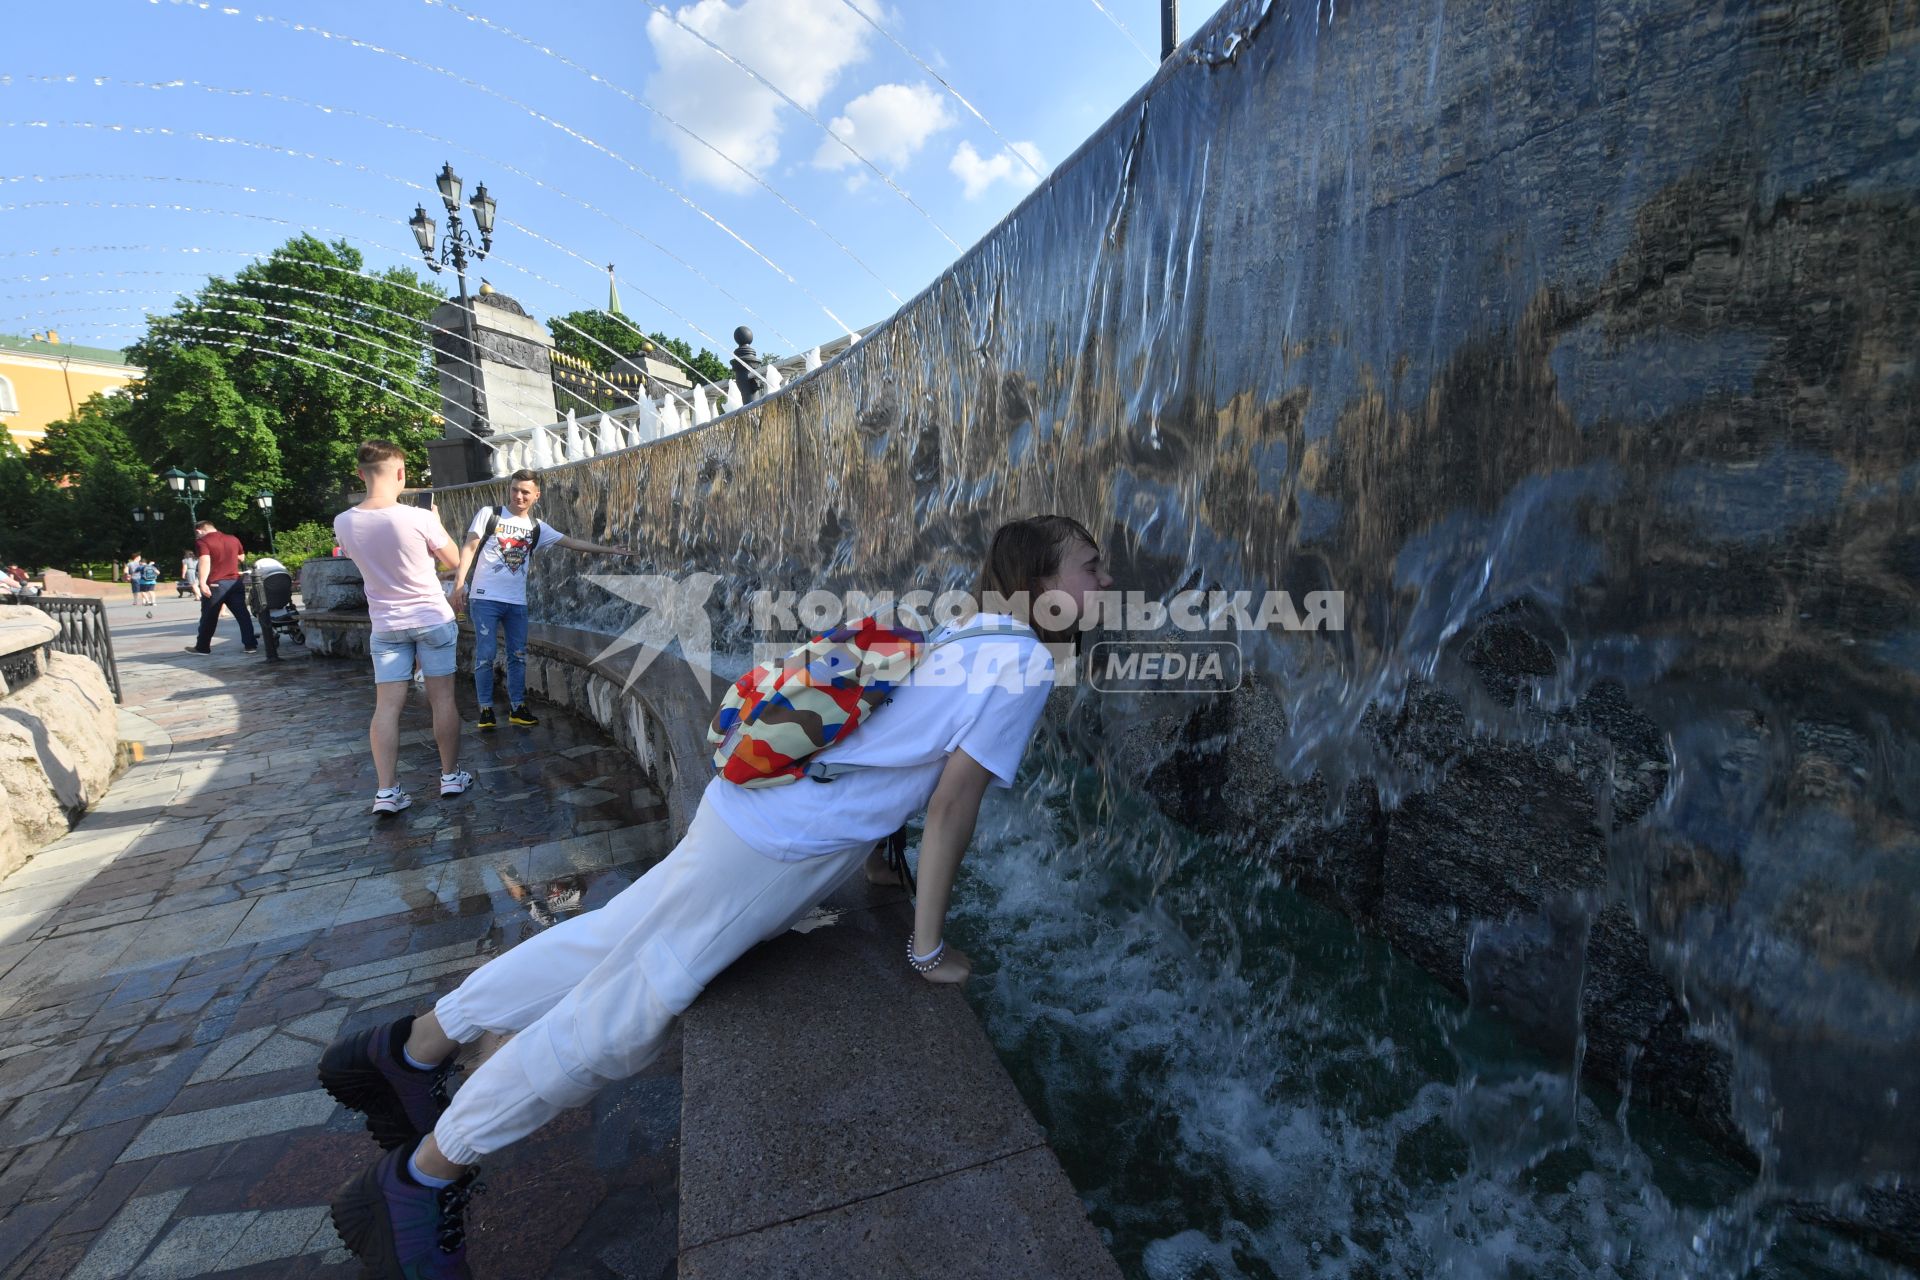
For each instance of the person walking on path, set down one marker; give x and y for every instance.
(219, 584)
(146, 576)
(499, 550)
(396, 547)
(132, 569)
(593, 998)
(189, 571)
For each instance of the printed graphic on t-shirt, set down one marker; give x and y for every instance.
(511, 544)
(511, 548)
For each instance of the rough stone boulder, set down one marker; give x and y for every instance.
(332, 584)
(58, 753)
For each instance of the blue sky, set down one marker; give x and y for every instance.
(145, 144)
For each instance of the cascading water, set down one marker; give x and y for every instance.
(1548, 339)
(1245, 1087)
(1573, 345)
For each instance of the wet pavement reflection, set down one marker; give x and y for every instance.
(170, 971)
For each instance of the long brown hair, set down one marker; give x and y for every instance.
(1021, 554)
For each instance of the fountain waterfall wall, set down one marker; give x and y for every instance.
(1574, 344)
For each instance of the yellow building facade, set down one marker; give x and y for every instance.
(43, 380)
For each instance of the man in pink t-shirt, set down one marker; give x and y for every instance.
(396, 548)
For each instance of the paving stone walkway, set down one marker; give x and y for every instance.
(170, 971)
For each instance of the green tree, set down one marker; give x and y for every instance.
(95, 435)
(212, 425)
(89, 479)
(106, 480)
(703, 362)
(33, 523)
(599, 339)
(272, 379)
(303, 543)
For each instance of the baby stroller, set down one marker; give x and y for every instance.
(182, 588)
(270, 599)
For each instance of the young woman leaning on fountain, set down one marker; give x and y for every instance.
(592, 999)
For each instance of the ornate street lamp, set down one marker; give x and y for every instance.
(455, 249)
(143, 514)
(264, 501)
(188, 487)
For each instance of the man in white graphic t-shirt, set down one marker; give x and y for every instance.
(499, 550)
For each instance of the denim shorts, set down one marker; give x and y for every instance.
(394, 651)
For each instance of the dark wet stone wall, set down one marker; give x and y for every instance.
(1574, 343)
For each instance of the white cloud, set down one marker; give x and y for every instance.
(977, 173)
(887, 124)
(802, 46)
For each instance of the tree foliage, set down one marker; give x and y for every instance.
(296, 546)
(33, 529)
(76, 492)
(267, 380)
(600, 338)
(271, 379)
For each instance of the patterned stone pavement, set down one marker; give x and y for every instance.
(170, 971)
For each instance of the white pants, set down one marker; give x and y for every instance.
(593, 998)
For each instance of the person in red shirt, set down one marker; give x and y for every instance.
(219, 585)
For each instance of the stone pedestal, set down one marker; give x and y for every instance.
(502, 382)
(459, 460)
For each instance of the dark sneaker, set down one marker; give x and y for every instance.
(486, 718)
(520, 715)
(194, 648)
(401, 1230)
(364, 1073)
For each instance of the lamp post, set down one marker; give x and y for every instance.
(148, 515)
(454, 250)
(188, 487)
(264, 501)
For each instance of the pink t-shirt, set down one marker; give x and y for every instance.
(393, 547)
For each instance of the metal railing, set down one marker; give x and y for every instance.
(83, 632)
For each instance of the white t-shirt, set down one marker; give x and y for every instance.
(983, 695)
(500, 566)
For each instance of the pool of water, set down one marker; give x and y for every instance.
(1243, 1085)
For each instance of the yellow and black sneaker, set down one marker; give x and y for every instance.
(486, 719)
(520, 715)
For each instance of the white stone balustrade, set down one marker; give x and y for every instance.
(574, 438)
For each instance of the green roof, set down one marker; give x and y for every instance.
(103, 355)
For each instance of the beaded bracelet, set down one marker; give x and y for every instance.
(928, 962)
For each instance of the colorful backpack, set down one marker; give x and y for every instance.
(780, 714)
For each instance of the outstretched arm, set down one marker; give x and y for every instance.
(468, 550)
(951, 814)
(581, 544)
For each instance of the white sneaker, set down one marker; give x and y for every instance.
(392, 801)
(452, 784)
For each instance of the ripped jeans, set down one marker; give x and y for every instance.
(493, 620)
